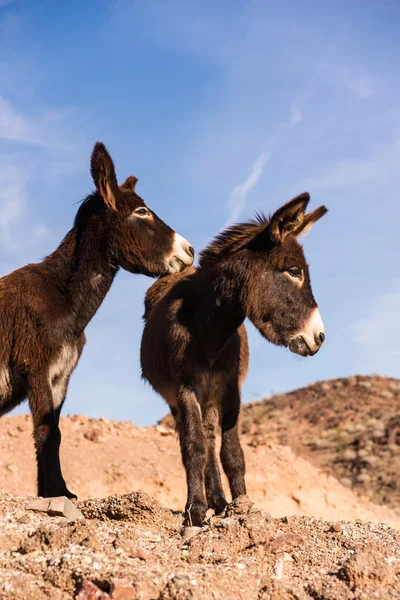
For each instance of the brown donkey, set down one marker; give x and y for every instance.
(45, 307)
(194, 348)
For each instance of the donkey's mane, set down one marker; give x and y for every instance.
(233, 238)
(89, 206)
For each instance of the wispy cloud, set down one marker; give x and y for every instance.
(357, 81)
(237, 199)
(362, 86)
(296, 115)
(45, 141)
(16, 127)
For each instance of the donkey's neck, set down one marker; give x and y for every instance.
(82, 271)
(219, 312)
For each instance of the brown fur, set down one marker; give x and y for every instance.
(45, 307)
(194, 348)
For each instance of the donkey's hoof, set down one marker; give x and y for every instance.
(71, 495)
(189, 532)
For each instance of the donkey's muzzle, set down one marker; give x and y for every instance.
(308, 341)
(182, 255)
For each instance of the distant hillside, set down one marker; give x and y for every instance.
(350, 427)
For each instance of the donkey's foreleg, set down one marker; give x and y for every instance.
(47, 437)
(214, 491)
(232, 457)
(193, 448)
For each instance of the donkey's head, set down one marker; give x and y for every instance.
(280, 301)
(263, 265)
(140, 242)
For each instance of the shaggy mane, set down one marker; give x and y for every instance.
(233, 238)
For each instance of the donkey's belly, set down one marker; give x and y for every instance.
(12, 389)
(210, 387)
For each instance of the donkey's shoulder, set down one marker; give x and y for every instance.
(161, 287)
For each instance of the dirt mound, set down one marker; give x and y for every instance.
(242, 555)
(348, 427)
(101, 458)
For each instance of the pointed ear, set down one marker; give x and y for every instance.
(130, 183)
(103, 174)
(288, 218)
(309, 220)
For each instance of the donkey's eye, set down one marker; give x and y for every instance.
(142, 212)
(295, 272)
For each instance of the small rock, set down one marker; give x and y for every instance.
(363, 478)
(287, 558)
(138, 553)
(90, 591)
(59, 506)
(163, 430)
(121, 589)
(365, 384)
(189, 532)
(349, 454)
(278, 569)
(336, 528)
(227, 522)
(94, 435)
(346, 482)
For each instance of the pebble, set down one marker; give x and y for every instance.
(59, 506)
(189, 532)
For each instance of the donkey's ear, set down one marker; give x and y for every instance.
(309, 220)
(130, 183)
(288, 219)
(103, 173)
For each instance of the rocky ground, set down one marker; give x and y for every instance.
(327, 538)
(129, 547)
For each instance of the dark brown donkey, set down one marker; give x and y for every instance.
(45, 307)
(194, 348)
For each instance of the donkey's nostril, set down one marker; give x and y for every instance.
(191, 251)
(319, 338)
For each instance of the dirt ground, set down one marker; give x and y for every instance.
(308, 534)
(130, 547)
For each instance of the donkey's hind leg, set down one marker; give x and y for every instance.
(47, 437)
(193, 448)
(214, 491)
(232, 457)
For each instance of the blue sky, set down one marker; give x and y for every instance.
(220, 109)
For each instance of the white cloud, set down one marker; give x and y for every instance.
(296, 115)
(237, 199)
(14, 126)
(359, 83)
(44, 141)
